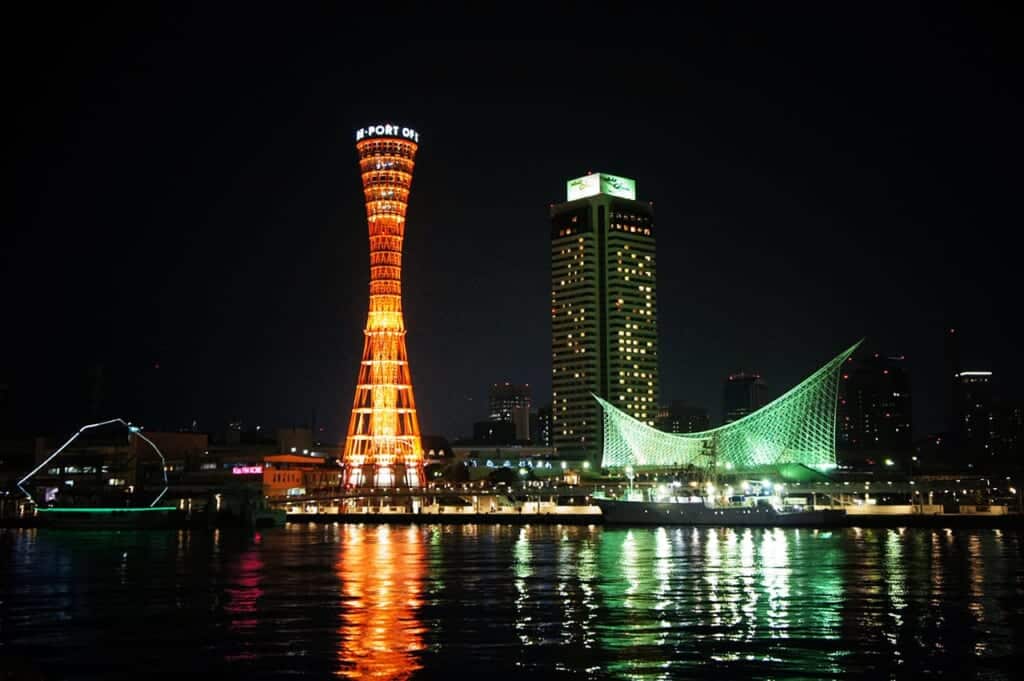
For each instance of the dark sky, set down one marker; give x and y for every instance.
(186, 196)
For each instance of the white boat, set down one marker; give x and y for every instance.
(700, 512)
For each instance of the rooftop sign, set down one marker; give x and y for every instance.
(387, 130)
(600, 183)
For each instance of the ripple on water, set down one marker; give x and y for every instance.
(431, 601)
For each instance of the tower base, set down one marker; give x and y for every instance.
(400, 475)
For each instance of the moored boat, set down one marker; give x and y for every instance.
(699, 512)
(109, 518)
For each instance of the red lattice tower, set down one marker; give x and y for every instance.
(383, 447)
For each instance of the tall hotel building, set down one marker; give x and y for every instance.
(603, 310)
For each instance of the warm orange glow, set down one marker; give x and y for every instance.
(381, 573)
(383, 446)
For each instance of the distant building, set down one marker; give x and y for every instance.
(950, 382)
(494, 433)
(603, 310)
(1011, 429)
(436, 447)
(498, 455)
(294, 440)
(874, 405)
(743, 393)
(977, 418)
(935, 452)
(510, 402)
(682, 417)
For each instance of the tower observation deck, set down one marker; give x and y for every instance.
(383, 448)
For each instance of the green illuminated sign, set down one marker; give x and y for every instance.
(618, 186)
(600, 183)
(581, 187)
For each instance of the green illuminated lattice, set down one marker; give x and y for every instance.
(799, 427)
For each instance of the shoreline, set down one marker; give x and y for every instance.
(941, 521)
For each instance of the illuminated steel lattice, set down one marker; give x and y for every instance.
(383, 447)
(799, 427)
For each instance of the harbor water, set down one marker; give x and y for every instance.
(429, 601)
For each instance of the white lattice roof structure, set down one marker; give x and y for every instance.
(799, 427)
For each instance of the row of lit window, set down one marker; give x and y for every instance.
(634, 230)
(629, 216)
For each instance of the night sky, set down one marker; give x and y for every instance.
(187, 239)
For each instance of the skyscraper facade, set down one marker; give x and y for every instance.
(383, 446)
(743, 393)
(603, 310)
(541, 434)
(874, 405)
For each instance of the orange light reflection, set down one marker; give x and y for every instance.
(381, 572)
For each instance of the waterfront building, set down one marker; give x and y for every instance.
(603, 310)
(797, 428)
(290, 475)
(743, 393)
(497, 455)
(383, 447)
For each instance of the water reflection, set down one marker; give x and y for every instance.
(242, 598)
(367, 601)
(671, 596)
(381, 571)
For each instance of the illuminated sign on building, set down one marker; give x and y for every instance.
(247, 470)
(387, 130)
(600, 183)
